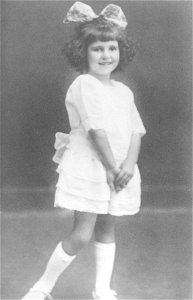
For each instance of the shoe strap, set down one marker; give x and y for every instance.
(49, 297)
(106, 293)
(113, 292)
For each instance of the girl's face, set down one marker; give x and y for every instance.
(103, 58)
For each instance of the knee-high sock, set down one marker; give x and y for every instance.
(57, 263)
(104, 255)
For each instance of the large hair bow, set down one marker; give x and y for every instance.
(81, 12)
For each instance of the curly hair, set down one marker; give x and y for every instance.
(98, 29)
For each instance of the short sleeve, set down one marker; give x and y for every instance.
(137, 124)
(88, 103)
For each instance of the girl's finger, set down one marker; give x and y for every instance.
(118, 189)
(123, 183)
(122, 179)
(125, 180)
(119, 176)
(111, 184)
(127, 177)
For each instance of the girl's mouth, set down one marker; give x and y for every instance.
(105, 63)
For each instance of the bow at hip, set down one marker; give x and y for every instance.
(61, 142)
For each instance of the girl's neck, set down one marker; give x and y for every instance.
(105, 80)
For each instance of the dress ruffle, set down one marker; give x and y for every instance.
(79, 194)
(117, 208)
(82, 176)
(82, 183)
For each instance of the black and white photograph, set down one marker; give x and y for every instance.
(96, 150)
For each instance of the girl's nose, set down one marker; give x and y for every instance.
(105, 54)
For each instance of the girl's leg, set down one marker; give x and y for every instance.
(81, 234)
(65, 252)
(104, 253)
(105, 229)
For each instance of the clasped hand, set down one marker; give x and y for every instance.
(119, 177)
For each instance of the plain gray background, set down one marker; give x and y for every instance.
(35, 78)
(154, 248)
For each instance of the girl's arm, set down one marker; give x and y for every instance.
(102, 146)
(128, 165)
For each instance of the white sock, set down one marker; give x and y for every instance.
(57, 263)
(105, 256)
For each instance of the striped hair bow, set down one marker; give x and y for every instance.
(81, 12)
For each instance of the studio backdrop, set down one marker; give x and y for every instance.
(35, 78)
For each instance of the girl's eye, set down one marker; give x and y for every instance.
(113, 48)
(97, 49)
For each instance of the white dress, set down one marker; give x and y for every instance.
(82, 183)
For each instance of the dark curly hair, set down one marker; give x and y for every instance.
(98, 29)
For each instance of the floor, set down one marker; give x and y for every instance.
(153, 258)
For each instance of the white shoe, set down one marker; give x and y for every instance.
(107, 295)
(37, 295)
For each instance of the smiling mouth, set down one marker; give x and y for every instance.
(105, 63)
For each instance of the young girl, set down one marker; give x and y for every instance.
(98, 174)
